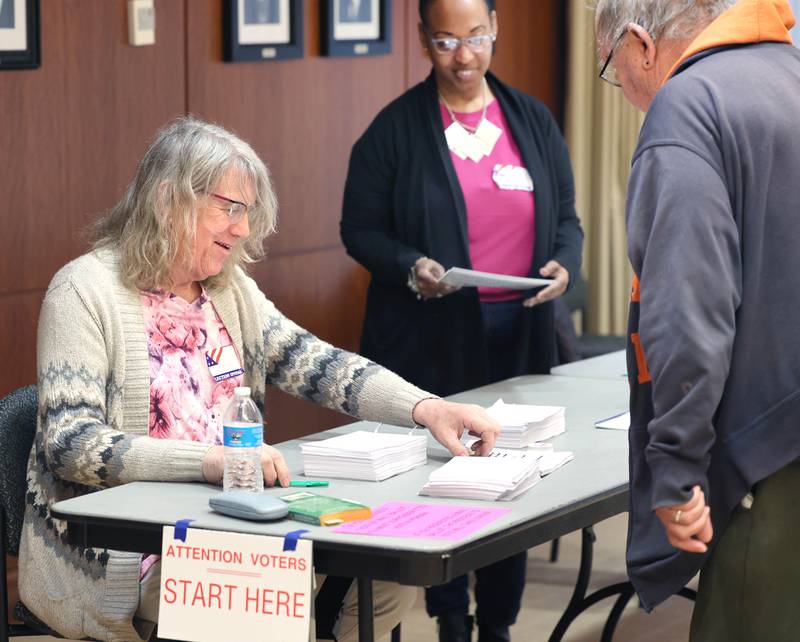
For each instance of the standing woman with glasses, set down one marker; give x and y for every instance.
(462, 170)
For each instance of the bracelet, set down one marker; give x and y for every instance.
(413, 421)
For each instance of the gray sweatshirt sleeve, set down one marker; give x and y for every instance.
(684, 246)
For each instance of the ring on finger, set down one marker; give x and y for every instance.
(677, 516)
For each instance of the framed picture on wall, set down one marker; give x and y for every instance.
(19, 34)
(356, 27)
(262, 30)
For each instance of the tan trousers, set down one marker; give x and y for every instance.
(392, 602)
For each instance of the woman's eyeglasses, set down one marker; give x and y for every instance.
(476, 44)
(236, 210)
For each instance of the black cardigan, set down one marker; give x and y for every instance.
(403, 201)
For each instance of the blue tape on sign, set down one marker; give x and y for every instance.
(290, 539)
(180, 528)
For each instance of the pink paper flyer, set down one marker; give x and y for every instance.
(428, 521)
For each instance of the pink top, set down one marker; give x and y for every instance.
(183, 343)
(186, 402)
(500, 222)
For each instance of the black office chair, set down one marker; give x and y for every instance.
(17, 429)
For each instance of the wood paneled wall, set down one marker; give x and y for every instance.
(72, 131)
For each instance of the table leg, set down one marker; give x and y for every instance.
(581, 584)
(554, 551)
(579, 601)
(616, 612)
(366, 629)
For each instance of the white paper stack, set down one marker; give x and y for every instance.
(524, 424)
(537, 449)
(549, 460)
(493, 478)
(371, 456)
(547, 457)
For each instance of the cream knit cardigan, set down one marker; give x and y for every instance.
(94, 400)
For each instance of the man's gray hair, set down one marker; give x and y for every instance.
(153, 225)
(661, 18)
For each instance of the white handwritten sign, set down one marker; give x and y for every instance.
(230, 586)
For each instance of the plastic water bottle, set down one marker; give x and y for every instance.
(243, 435)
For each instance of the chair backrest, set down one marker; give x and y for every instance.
(17, 429)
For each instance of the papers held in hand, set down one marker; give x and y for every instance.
(473, 278)
(524, 424)
(370, 456)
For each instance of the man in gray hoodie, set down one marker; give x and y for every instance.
(713, 217)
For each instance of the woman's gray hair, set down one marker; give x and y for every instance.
(661, 18)
(153, 225)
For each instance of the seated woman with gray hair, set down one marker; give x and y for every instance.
(126, 393)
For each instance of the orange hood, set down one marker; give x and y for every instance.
(746, 22)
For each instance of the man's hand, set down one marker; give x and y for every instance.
(272, 465)
(427, 273)
(560, 276)
(688, 525)
(447, 421)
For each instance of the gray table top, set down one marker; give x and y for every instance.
(599, 471)
(607, 366)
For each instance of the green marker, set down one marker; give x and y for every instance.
(305, 483)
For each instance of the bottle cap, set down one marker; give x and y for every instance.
(242, 391)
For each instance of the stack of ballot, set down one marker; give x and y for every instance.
(549, 459)
(490, 478)
(524, 424)
(370, 456)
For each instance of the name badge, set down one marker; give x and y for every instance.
(223, 363)
(512, 177)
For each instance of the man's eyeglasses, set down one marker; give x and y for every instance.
(236, 210)
(609, 72)
(476, 44)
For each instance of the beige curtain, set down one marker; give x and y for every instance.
(601, 132)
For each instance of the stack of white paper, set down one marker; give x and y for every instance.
(548, 459)
(537, 449)
(491, 478)
(370, 456)
(524, 424)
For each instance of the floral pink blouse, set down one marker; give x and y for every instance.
(194, 367)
